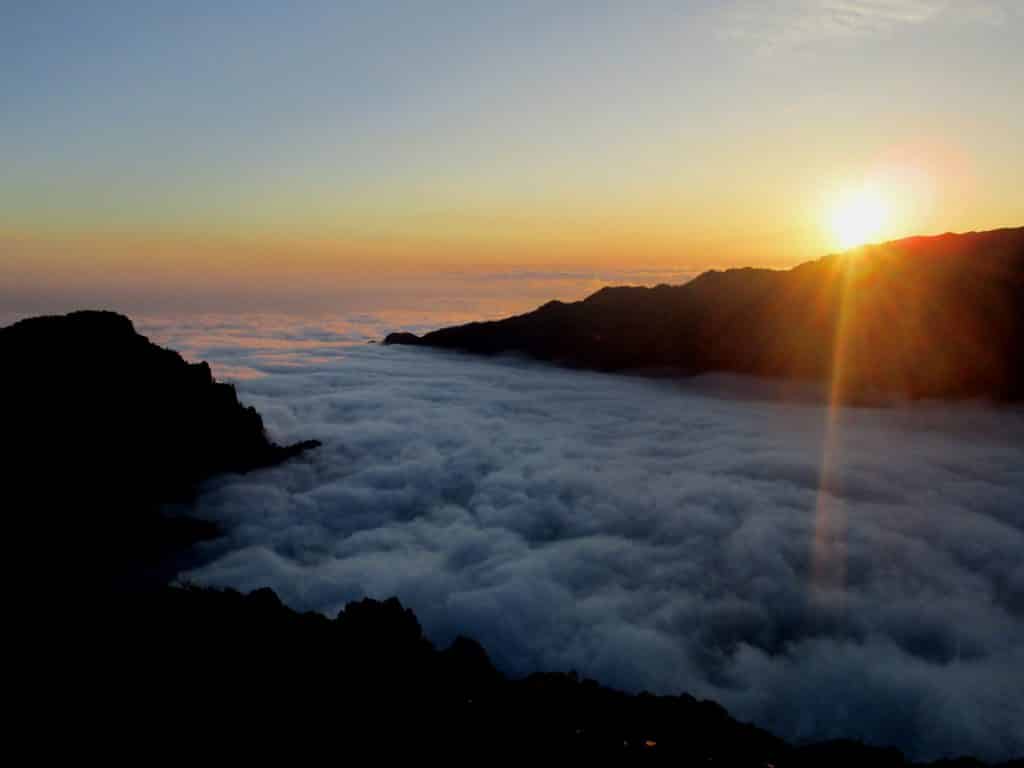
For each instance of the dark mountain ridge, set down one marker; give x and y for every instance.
(101, 427)
(922, 317)
(253, 675)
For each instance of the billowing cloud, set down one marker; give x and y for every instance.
(647, 533)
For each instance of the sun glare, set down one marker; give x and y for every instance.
(858, 218)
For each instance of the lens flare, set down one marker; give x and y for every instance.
(828, 553)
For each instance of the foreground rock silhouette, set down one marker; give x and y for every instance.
(101, 427)
(925, 317)
(197, 669)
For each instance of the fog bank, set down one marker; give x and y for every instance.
(645, 533)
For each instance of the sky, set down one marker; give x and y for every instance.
(239, 152)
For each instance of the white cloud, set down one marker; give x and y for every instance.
(796, 23)
(645, 533)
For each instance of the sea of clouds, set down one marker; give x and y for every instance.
(652, 534)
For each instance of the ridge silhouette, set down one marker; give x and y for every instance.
(924, 317)
(101, 427)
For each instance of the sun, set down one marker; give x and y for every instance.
(858, 217)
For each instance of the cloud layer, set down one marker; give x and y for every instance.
(647, 533)
(797, 23)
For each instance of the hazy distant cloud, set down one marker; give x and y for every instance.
(771, 26)
(645, 533)
(34, 280)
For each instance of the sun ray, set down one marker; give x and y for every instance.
(828, 555)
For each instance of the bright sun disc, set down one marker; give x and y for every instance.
(858, 218)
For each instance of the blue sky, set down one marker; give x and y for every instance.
(678, 135)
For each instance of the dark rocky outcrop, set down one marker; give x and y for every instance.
(922, 317)
(101, 426)
(195, 669)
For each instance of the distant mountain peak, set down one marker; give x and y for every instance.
(929, 316)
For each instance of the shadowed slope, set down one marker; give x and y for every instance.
(101, 426)
(922, 317)
(251, 675)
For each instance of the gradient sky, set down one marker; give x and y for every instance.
(198, 142)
